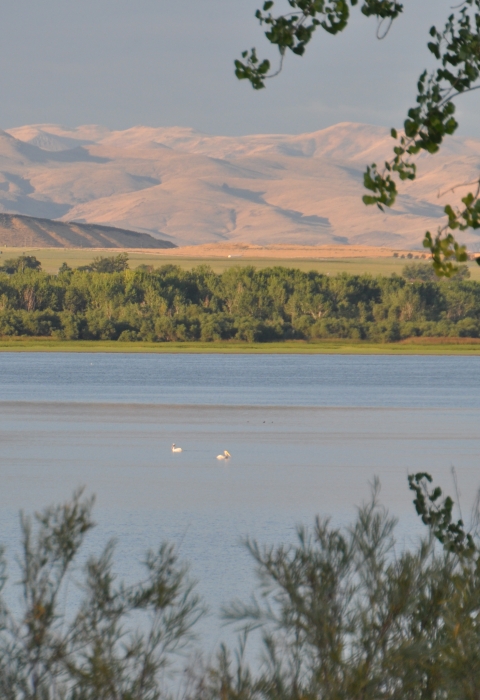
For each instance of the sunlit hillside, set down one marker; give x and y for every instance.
(190, 188)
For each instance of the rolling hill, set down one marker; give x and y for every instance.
(189, 188)
(29, 231)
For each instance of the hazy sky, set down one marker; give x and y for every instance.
(169, 62)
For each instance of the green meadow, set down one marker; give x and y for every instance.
(52, 258)
(444, 346)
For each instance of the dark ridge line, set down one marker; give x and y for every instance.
(6, 218)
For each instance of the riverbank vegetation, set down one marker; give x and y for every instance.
(415, 346)
(106, 301)
(340, 613)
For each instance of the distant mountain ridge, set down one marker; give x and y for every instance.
(29, 231)
(189, 188)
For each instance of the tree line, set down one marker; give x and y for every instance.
(108, 301)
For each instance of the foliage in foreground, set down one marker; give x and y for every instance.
(343, 613)
(115, 642)
(107, 301)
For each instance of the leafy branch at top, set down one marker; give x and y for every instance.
(456, 48)
(294, 30)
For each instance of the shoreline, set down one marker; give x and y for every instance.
(430, 346)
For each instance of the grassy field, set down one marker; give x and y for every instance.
(52, 258)
(425, 346)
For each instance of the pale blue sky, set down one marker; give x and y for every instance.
(169, 62)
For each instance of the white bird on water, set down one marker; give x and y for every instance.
(176, 449)
(226, 455)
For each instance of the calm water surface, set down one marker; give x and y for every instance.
(235, 380)
(306, 433)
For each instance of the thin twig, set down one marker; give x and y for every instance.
(457, 493)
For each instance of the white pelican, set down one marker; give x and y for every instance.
(226, 455)
(176, 449)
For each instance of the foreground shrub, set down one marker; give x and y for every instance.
(116, 642)
(343, 613)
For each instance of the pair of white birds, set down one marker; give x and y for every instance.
(225, 455)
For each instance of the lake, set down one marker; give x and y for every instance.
(306, 434)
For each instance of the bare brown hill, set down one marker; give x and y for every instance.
(17, 230)
(267, 189)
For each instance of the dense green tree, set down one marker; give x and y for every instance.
(243, 303)
(456, 48)
(24, 262)
(64, 268)
(116, 263)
